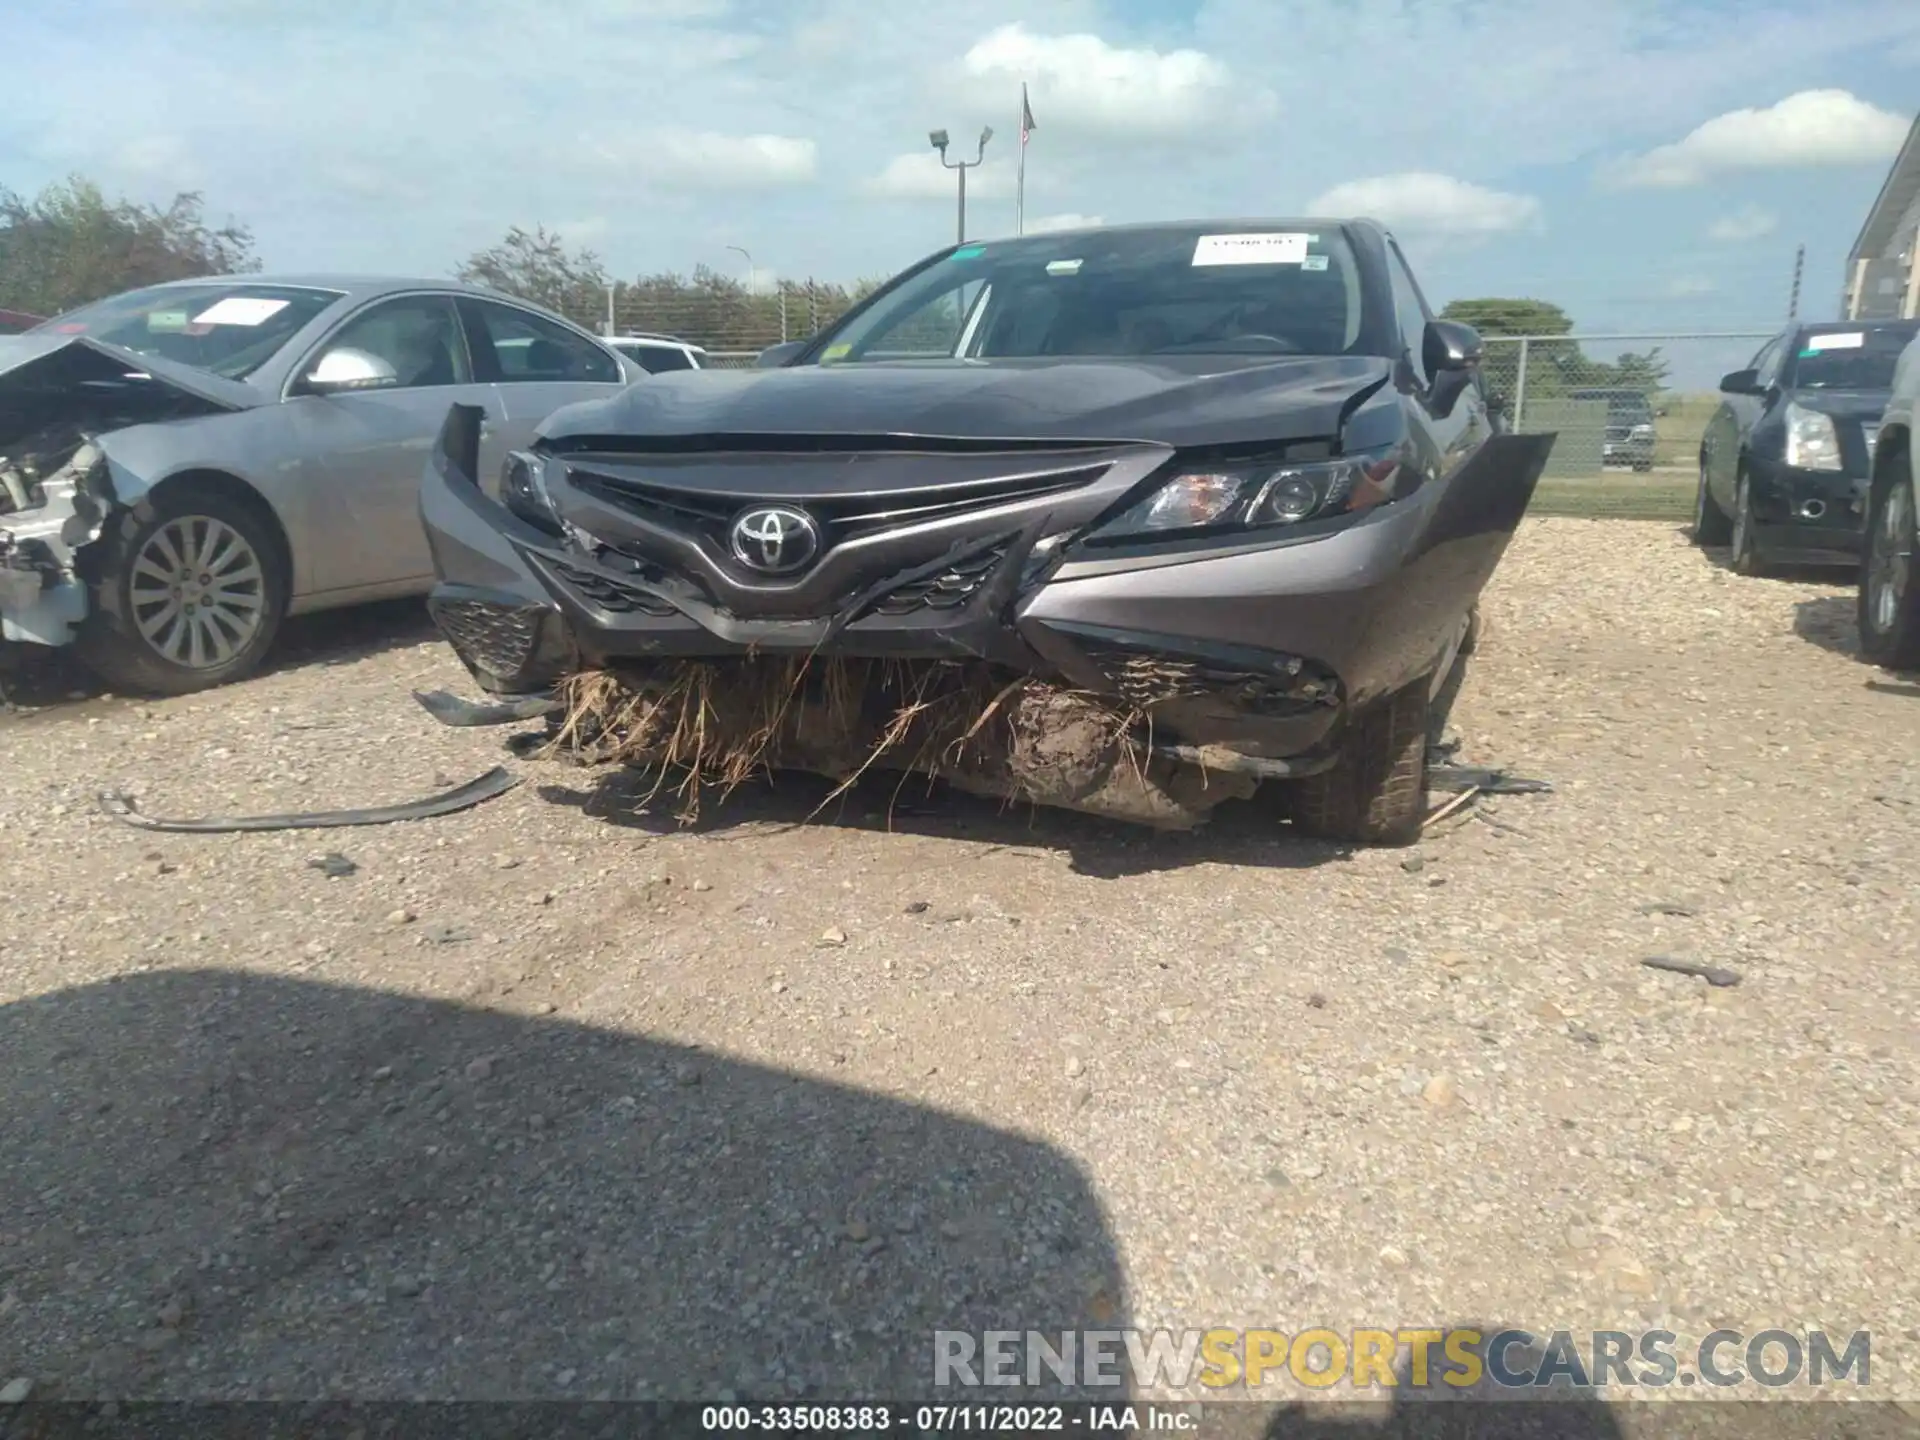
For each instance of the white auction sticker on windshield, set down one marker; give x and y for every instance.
(1279, 249)
(1846, 340)
(240, 310)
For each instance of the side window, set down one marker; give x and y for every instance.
(932, 330)
(1410, 310)
(526, 349)
(1767, 363)
(658, 359)
(418, 335)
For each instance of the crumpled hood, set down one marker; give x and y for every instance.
(1171, 400)
(42, 359)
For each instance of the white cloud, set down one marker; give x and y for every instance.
(1425, 203)
(1749, 223)
(1081, 84)
(1812, 127)
(1067, 221)
(706, 160)
(921, 175)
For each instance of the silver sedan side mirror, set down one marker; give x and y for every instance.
(345, 369)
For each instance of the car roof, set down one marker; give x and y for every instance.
(1827, 327)
(1224, 225)
(358, 287)
(644, 339)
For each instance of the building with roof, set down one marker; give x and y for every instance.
(1883, 280)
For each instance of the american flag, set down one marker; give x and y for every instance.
(1026, 118)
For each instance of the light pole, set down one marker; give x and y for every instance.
(938, 138)
(741, 250)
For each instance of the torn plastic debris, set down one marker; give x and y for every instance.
(450, 709)
(496, 781)
(1487, 782)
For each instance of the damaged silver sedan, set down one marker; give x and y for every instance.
(183, 466)
(1128, 521)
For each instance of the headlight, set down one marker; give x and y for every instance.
(1811, 442)
(1641, 432)
(523, 490)
(1209, 498)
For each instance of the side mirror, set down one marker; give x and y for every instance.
(1740, 382)
(345, 369)
(1449, 345)
(774, 356)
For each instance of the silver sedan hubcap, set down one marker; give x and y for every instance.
(198, 592)
(1887, 567)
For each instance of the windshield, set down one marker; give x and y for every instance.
(1860, 359)
(229, 329)
(1119, 293)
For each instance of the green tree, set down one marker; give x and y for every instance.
(1495, 316)
(537, 266)
(70, 244)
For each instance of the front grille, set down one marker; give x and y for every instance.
(949, 590)
(841, 519)
(1145, 678)
(609, 594)
(497, 638)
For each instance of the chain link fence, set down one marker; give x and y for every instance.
(730, 323)
(1621, 404)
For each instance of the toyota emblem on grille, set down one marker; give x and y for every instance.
(774, 540)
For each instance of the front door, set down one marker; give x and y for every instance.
(365, 451)
(537, 366)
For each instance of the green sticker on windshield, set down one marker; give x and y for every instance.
(163, 321)
(967, 252)
(834, 352)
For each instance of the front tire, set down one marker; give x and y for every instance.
(1710, 523)
(1376, 794)
(1744, 544)
(1889, 605)
(188, 593)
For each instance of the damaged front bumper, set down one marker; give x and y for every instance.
(1240, 659)
(47, 521)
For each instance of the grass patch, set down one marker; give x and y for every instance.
(1616, 497)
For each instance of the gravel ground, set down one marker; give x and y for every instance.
(554, 1098)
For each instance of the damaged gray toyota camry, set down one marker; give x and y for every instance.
(1128, 520)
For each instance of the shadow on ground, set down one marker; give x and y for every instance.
(39, 677)
(1831, 622)
(221, 1185)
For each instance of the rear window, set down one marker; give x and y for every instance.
(656, 359)
(1861, 359)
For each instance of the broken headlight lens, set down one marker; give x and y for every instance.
(1254, 496)
(1811, 441)
(523, 490)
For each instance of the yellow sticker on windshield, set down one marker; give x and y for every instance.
(836, 352)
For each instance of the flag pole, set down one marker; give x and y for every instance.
(1020, 183)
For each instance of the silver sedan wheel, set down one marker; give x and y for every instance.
(1889, 561)
(198, 592)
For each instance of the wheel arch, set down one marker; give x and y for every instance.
(230, 487)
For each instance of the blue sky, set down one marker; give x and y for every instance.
(1537, 147)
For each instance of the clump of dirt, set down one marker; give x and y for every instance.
(696, 724)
